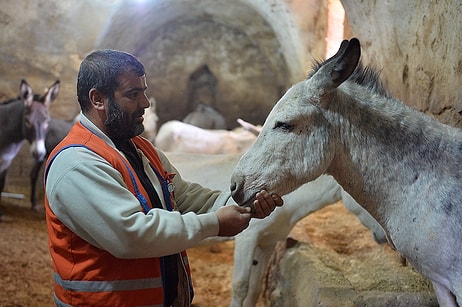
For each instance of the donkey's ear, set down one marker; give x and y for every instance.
(342, 64)
(25, 93)
(341, 49)
(52, 93)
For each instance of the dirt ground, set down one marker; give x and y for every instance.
(25, 265)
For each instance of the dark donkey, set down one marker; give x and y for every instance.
(26, 117)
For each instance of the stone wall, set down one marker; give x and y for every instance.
(417, 44)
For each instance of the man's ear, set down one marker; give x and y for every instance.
(97, 99)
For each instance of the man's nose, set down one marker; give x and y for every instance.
(146, 102)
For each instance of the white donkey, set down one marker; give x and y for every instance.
(402, 166)
(255, 245)
(176, 136)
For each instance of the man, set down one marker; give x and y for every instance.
(119, 216)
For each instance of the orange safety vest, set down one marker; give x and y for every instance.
(85, 275)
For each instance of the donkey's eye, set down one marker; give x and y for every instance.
(284, 126)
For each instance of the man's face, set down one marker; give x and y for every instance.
(124, 113)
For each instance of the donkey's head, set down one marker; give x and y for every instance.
(296, 143)
(36, 117)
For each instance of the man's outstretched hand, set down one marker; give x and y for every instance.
(232, 220)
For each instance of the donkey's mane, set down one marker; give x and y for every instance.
(367, 76)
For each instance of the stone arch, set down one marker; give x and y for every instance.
(252, 47)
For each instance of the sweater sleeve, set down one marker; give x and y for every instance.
(90, 197)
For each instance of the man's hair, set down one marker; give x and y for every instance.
(100, 70)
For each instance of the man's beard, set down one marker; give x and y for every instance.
(119, 124)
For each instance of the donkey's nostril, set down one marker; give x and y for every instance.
(237, 188)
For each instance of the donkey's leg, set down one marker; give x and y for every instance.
(2, 180)
(245, 245)
(33, 182)
(257, 274)
(6, 158)
(2, 185)
(444, 296)
(366, 219)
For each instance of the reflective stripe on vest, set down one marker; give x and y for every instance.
(59, 303)
(107, 286)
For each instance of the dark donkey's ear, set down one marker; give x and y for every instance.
(52, 93)
(344, 62)
(25, 93)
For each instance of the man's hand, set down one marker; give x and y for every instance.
(232, 220)
(265, 204)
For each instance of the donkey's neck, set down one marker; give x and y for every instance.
(11, 118)
(385, 148)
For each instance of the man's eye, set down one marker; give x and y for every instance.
(283, 126)
(132, 95)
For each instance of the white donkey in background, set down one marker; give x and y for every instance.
(255, 245)
(402, 166)
(176, 136)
